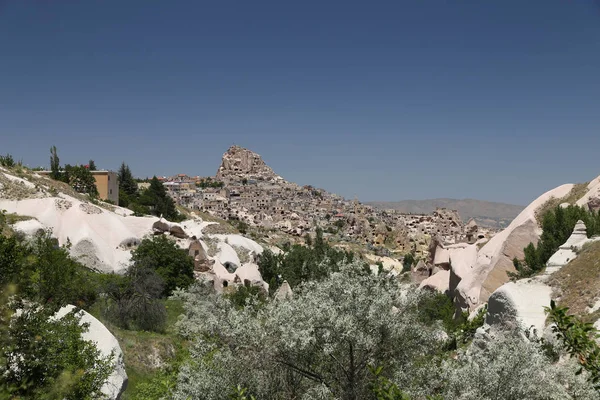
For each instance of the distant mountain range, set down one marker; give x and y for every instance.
(485, 213)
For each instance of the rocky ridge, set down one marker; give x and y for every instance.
(239, 163)
(255, 195)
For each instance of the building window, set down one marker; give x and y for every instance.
(109, 177)
(110, 191)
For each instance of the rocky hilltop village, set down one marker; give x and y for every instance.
(246, 189)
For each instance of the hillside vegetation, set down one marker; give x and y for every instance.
(577, 284)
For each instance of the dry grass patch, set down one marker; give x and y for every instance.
(579, 189)
(15, 190)
(220, 229)
(242, 253)
(578, 283)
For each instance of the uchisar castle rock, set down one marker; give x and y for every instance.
(246, 189)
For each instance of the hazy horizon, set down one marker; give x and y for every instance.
(384, 102)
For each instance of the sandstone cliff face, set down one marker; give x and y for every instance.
(239, 163)
(495, 258)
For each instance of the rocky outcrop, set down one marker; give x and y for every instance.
(439, 281)
(284, 292)
(494, 259)
(107, 344)
(248, 274)
(161, 226)
(591, 198)
(594, 205)
(463, 260)
(228, 257)
(239, 163)
(519, 303)
(441, 258)
(164, 226)
(471, 231)
(177, 231)
(96, 239)
(567, 252)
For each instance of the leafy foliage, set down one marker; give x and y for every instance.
(153, 200)
(172, 264)
(54, 164)
(246, 294)
(383, 388)
(7, 161)
(240, 393)
(127, 185)
(302, 263)
(43, 272)
(557, 225)
(159, 202)
(579, 339)
(210, 183)
(133, 301)
(509, 368)
(42, 357)
(435, 307)
(80, 178)
(408, 262)
(465, 332)
(317, 345)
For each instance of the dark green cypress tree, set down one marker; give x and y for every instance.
(126, 182)
(156, 197)
(54, 163)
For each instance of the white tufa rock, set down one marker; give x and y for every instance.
(107, 344)
(439, 281)
(567, 252)
(284, 292)
(520, 302)
(475, 282)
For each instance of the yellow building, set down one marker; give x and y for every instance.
(107, 184)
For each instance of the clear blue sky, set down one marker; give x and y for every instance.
(384, 100)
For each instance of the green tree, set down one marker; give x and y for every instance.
(54, 164)
(171, 263)
(7, 161)
(92, 165)
(318, 344)
(160, 203)
(133, 301)
(242, 295)
(127, 184)
(340, 223)
(510, 368)
(44, 272)
(557, 225)
(81, 179)
(302, 263)
(579, 339)
(383, 388)
(42, 357)
(12, 257)
(407, 262)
